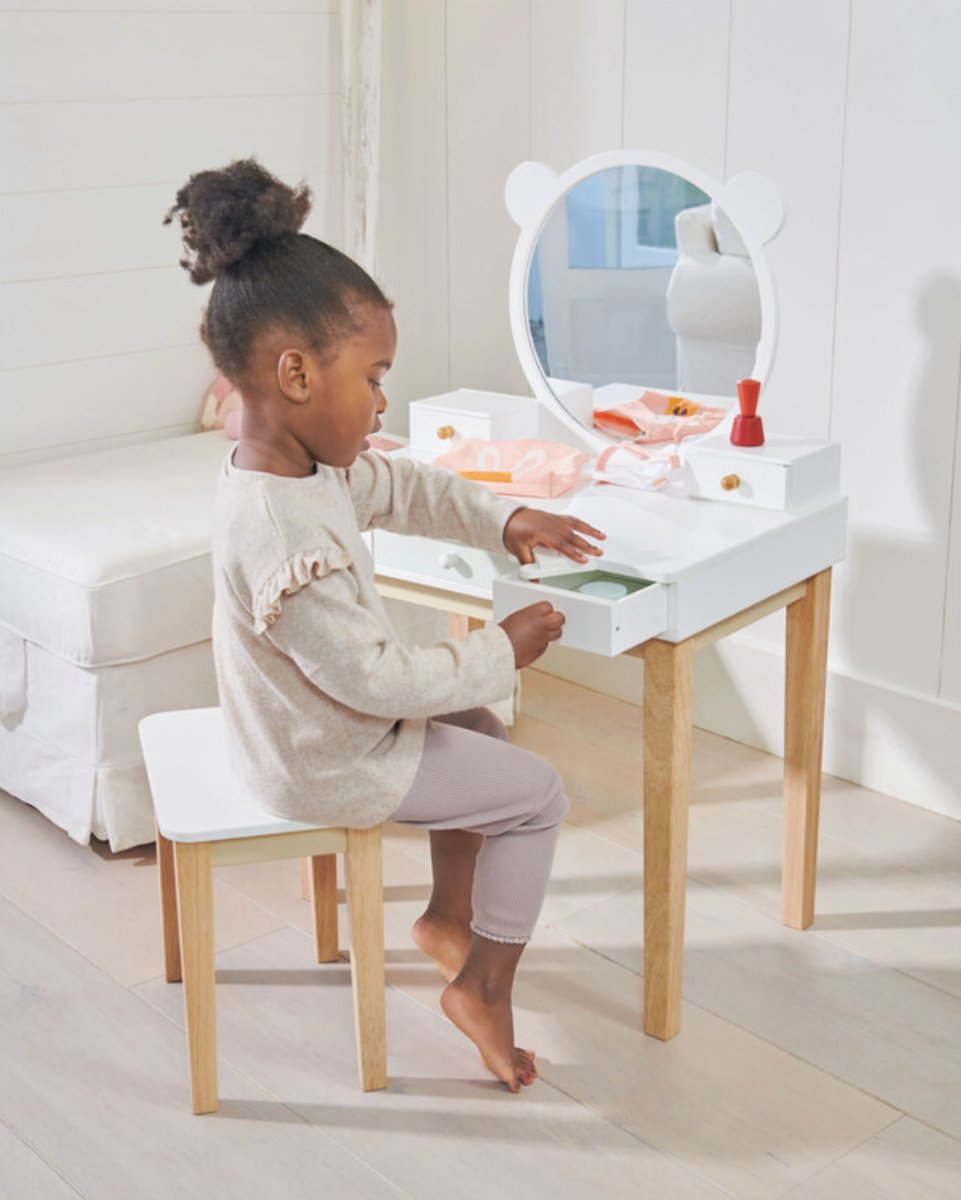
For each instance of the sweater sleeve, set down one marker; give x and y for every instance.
(409, 497)
(343, 649)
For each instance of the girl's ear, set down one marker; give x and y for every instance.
(292, 376)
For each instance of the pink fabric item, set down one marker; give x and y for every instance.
(658, 417)
(223, 408)
(525, 467)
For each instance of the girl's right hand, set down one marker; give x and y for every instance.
(531, 629)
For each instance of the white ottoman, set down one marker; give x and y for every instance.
(106, 596)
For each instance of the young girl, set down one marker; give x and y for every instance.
(331, 719)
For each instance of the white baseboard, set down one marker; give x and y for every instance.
(901, 743)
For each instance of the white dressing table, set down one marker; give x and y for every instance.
(667, 725)
(715, 567)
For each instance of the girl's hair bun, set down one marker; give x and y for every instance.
(223, 213)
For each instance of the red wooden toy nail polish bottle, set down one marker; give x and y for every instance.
(747, 429)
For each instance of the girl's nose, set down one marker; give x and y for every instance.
(381, 402)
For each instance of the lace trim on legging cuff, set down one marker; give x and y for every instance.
(495, 937)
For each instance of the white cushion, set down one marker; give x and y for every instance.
(105, 558)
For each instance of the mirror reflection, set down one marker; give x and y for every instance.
(638, 282)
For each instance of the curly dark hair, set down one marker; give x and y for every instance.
(240, 227)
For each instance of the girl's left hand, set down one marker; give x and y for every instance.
(530, 527)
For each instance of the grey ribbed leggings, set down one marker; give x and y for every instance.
(471, 778)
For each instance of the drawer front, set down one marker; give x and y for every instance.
(743, 478)
(740, 481)
(439, 562)
(430, 427)
(601, 626)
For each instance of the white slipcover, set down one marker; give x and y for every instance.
(105, 612)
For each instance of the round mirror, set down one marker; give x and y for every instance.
(630, 276)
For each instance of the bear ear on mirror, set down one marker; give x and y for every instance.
(528, 190)
(754, 204)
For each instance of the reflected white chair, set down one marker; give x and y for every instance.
(205, 820)
(713, 304)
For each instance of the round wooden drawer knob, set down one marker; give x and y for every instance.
(730, 482)
(445, 431)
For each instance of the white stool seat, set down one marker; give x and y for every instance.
(204, 820)
(196, 798)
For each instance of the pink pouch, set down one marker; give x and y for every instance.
(525, 467)
(658, 417)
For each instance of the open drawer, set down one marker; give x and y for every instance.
(631, 611)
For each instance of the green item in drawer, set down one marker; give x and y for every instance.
(576, 580)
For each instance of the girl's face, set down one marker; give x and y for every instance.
(346, 403)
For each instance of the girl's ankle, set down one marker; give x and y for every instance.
(446, 919)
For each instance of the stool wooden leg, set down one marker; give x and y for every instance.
(323, 886)
(305, 879)
(195, 901)
(365, 912)
(806, 675)
(668, 698)
(168, 908)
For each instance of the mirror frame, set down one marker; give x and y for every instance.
(532, 193)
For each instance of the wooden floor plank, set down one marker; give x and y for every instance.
(906, 1161)
(879, 1030)
(96, 1080)
(25, 1174)
(443, 1127)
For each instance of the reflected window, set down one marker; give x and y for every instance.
(623, 219)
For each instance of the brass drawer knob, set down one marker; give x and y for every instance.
(730, 482)
(446, 431)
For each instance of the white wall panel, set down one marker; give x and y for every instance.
(45, 147)
(61, 320)
(105, 110)
(412, 253)
(951, 639)
(577, 79)
(60, 233)
(898, 336)
(232, 6)
(786, 117)
(66, 407)
(75, 232)
(124, 55)
(675, 85)
(488, 135)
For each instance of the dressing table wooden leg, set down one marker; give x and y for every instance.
(806, 676)
(459, 626)
(668, 700)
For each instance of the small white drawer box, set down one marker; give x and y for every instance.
(784, 473)
(592, 622)
(494, 416)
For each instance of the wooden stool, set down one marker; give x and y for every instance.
(204, 820)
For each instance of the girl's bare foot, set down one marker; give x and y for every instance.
(445, 941)
(488, 1021)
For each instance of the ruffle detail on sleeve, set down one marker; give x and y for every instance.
(290, 577)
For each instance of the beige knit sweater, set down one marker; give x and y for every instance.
(325, 708)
